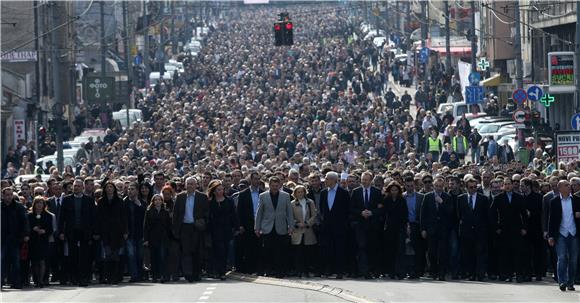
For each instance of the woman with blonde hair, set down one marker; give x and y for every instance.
(303, 237)
(156, 236)
(40, 221)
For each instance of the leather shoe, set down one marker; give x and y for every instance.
(571, 288)
(562, 287)
(339, 277)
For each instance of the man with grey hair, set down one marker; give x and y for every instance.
(334, 209)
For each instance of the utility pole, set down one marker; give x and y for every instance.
(577, 53)
(447, 40)
(173, 40)
(473, 38)
(424, 29)
(103, 45)
(146, 52)
(127, 59)
(58, 110)
(36, 77)
(398, 17)
(518, 47)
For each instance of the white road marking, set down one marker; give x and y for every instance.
(205, 293)
(210, 288)
(204, 297)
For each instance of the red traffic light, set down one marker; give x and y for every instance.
(277, 27)
(289, 25)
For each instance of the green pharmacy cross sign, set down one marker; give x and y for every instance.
(547, 100)
(99, 89)
(483, 64)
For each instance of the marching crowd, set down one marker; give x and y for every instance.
(293, 161)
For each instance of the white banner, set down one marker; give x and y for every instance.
(464, 69)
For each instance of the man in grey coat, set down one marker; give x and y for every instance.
(274, 223)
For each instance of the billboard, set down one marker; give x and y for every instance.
(561, 72)
(568, 146)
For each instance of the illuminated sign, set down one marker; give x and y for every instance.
(561, 72)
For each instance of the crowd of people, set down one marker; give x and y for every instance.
(288, 161)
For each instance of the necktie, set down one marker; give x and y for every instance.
(472, 202)
(366, 198)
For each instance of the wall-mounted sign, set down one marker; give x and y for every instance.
(561, 72)
(20, 56)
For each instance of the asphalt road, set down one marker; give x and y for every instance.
(207, 291)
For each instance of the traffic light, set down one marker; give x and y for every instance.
(288, 33)
(278, 34)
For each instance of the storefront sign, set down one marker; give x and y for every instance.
(568, 146)
(561, 72)
(19, 131)
(20, 56)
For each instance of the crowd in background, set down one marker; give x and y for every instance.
(260, 158)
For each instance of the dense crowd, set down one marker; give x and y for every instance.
(290, 161)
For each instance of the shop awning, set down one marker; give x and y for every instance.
(494, 80)
(455, 50)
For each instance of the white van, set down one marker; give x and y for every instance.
(457, 109)
(134, 116)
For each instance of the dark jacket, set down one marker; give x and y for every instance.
(473, 223)
(112, 221)
(396, 215)
(135, 218)
(157, 227)
(223, 220)
(14, 223)
(66, 222)
(509, 217)
(437, 218)
(357, 206)
(555, 219)
(38, 244)
(335, 220)
(533, 204)
(246, 210)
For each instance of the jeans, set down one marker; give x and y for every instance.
(11, 264)
(567, 250)
(475, 153)
(134, 250)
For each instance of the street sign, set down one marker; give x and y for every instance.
(483, 64)
(99, 89)
(473, 94)
(575, 122)
(424, 55)
(519, 116)
(519, 95)
(474, 78)
(567, 146)
(535, 93)
(547, 100)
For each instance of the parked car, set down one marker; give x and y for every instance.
(25, 178)
(457, 109)
(134, 116)
(498, 129)
(470, 117)
(68, 160)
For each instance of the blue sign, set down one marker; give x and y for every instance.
(138, 60)
(576, 122)
(424, 55)
(535, 93)
(474, 94)
(519, 95)
(474, 78)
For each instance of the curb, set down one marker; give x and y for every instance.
(344, 294)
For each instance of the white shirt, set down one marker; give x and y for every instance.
(567, 226)
(303, 205)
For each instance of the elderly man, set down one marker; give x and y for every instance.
(274, 222)
(190, 219)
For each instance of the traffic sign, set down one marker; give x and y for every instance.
(483, 64)
(424, 55)
(99, 89)
(519, 95)
(535, 93)
(519, 116)
(576, 122)
(547, 100)
(474, 78)
(473, 94)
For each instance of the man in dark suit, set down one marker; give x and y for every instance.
(553, 258)
(249, 244)
(77, 226)
(473, 211)
(509, 219)
(414, 201)
(189, 222)
(366, 222)
(57, 258)
(334, 208)
(534, 237)
(15, 230)
(437, 222)
(563, 225)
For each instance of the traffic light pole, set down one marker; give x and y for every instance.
(58, 111)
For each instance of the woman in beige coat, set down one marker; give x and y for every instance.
(303, 237)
